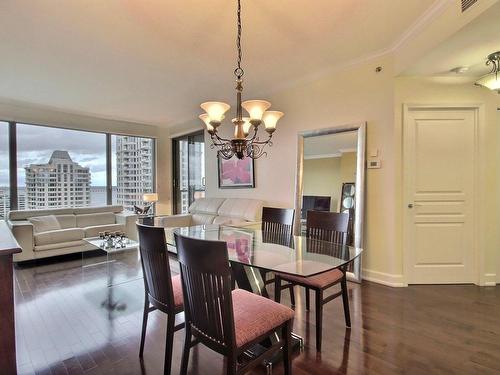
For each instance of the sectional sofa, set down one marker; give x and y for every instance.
(234, 211)
(51, 232)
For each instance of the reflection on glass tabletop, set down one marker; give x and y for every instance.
(295, 255)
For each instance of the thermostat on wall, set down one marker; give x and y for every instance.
(373, 164)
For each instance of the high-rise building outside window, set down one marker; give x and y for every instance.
(60, 167)
(133, 169)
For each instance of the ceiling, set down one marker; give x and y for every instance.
(154, 61)
(469, 47)
(331, 145)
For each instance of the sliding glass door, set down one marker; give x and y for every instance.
(189, 170)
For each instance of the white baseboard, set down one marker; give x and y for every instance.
(395, 281)
(490, 279)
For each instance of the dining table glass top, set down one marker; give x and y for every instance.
(251, 246)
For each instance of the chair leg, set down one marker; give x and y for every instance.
(345, 299)
(169, 346)
(287, 347)
(319, 319)
(277, 289)
(231, 364)
(185, 352)
(292, 295)
(307, 299)
(144, 324)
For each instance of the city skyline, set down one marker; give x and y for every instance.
(132, 168)
(36, 144)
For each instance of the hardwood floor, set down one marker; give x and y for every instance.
(69, 322)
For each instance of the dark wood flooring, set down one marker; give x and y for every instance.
(69, 322)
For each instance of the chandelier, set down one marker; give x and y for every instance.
(492, 79)
(245, 143)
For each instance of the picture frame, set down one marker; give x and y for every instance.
(236, 173)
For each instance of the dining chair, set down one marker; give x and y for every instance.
(162, 291)
(228, 322)
(323, 226)
(277, 227)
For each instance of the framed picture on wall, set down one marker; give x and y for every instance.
(235, 173)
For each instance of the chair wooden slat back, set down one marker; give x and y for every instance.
(206, 280)
(327, 226)
(156, 266)
(277, 225)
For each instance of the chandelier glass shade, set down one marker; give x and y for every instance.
(245, 141)
(492, 79)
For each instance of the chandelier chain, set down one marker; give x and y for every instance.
(238, 72)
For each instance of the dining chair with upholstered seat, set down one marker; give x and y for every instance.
(277, 228)
(163, 292)
(228, 322)
(323, 226)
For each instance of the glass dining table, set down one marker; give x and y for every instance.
(252, 250)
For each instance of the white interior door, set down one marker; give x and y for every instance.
(439, 153)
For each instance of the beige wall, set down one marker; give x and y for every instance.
(446, 93)
(355, 95)
(348, 167)
(322, 177)
(325, 176)
(359, 94)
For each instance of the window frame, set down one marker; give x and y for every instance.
(13, 139)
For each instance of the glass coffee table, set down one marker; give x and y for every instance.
(115, 262)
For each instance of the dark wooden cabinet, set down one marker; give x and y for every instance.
(8, 247)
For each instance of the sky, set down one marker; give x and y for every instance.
(36, 143)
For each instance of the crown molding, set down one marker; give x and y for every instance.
(436, 9)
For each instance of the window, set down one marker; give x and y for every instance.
(189, 170)
(132, 160)
(4, 170)
(60, 167)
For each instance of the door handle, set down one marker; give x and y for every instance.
(411, 205)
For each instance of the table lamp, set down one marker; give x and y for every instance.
(151, 198)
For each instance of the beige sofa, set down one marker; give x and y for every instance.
(233, 211)
(51, 232)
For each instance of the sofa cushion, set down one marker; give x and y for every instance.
(64, 245)
(201, 219)
(90, 220)
(26, 214)
(206, 206)
(99, 209)
(93, 231)
(60, 235)
(66, 221)
(222, 220)
(44, 223)
(246, 209)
